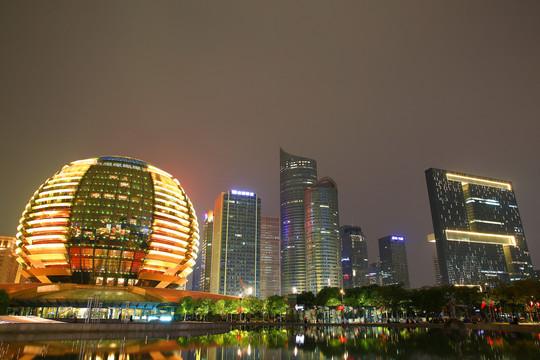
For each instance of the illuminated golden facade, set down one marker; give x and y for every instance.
(113, 221)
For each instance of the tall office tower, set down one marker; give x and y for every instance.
(236, 244)
(323, 248)
(9, 267)
(354, 256)
(394, 268)
(270, 257)
(477, 229)
(297, 174)
(205, 251)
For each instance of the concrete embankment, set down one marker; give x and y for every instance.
(78, 331)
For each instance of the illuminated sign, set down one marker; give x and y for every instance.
(242, 193)
(397, 238)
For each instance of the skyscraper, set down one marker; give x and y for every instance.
(297, 174)
(236, 244)
(477, 229)
(205, 251)
(354, 256)
(323, 248)
(394, 267)
(270, 257)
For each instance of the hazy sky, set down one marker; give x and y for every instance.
(375, 91)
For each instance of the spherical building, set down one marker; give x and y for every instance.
(113, 221)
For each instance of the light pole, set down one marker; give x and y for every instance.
(342, 292)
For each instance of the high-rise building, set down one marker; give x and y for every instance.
(297, 174)
(236, 244)
(394, 268)
(354, 256)
(206, 251)
(323, 248)
(477, 229)
(9, 267)
(270, 257)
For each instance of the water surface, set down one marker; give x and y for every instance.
(292, 343)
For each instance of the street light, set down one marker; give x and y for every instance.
(342, 292)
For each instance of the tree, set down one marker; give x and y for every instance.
(275, 305)
(430, 300)
(221, 307)
(306, 298)
(325, 296)
(231, 306)
(186, 306)
(251, 305)
(4, 301)
(205, 306)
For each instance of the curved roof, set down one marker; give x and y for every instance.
(77, 295)
(283, 156)
(326, 182)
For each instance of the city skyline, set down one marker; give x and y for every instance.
(376, 93)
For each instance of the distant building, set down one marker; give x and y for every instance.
(374, 274)
(354, 256)
(477, 229)
(437, 270)
(297, 174)
(9, 267)
(323, 248)
(270, 257)
(236, 244)
(205, 251)
(394, 268)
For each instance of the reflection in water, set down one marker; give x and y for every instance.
(292, 343)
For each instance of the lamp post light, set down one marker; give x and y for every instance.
(342, 292)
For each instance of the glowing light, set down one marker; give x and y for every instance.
(481, 238)
(242, 193)
(477, 181)
(169, 238)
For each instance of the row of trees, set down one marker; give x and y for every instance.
(516, 298)
(251, 306)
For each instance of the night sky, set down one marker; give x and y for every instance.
(375, 91)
